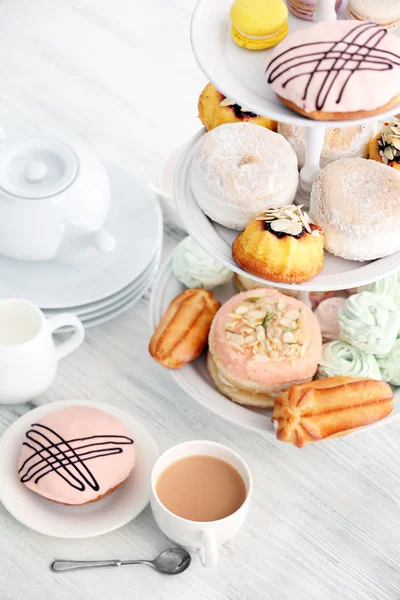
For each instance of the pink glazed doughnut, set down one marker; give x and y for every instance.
(337, 71)
(76, 455)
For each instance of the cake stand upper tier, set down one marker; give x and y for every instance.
(240, 74)
(216, 240)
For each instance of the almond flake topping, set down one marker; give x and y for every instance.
(287, 219)
(389, 142)
(267, 328)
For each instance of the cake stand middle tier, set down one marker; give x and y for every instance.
(216, 240)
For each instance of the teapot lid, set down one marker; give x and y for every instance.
(36, 167)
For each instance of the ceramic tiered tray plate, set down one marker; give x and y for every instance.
(194, 378)
(239, 73)
(216, 240)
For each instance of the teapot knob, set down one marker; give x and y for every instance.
(35, 171)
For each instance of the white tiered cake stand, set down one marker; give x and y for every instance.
(239, 74)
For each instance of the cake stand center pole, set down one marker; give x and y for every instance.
(325, 10)
(314, 142)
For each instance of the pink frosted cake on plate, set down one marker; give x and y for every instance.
(76, 455)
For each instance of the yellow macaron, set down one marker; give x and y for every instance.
(259, 24)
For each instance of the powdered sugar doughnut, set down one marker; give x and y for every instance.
(340, 142)
(76, 455)
(337, 70)
(357, 204)
(239, 170)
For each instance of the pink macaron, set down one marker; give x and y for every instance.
(305, 9)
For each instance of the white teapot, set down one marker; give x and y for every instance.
(54, 199)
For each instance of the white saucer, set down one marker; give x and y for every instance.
(239, 73)
(337, 274)
(85, 310)
(135, 221)
(96, 518)
(114, 309)
(194, 378)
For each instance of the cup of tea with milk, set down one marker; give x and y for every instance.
(200, 496)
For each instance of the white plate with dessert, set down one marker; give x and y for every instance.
(216, 239)
(76, 468)
(244, 371)
(240, 73)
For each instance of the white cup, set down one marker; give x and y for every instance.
(200, 536)
(28, 355)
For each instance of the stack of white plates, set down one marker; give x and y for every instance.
(103, 286)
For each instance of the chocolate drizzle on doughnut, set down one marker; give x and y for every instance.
(67, 458)
(335, 61)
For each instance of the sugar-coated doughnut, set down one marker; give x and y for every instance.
(239, 170)
(340, 142)
(356, 201)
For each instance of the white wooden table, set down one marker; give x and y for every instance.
(325, 520)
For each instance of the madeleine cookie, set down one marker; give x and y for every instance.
(216, 109)
(356, 201)
(330, 408)
(281, 245)
(182, 333)
(239, 170)
(312, 70)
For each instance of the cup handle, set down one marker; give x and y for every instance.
(209, 552)
(75, 340)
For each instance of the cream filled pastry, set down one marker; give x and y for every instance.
(239, 170)
(262, 342)
(337, 70)
(357, 203)
(76, 455)
(327, 316)
(388, 286)
(341, 359)
(195, 268)
(369, 322)
(389, 365)
(339, 142)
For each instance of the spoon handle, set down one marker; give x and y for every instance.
(59, 566)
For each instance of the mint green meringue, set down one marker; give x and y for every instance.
(195, 268)
(390, 365)
(388, 286)
(340, 358)
(369, 322)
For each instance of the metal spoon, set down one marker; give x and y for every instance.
(169, 562)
